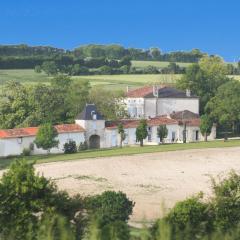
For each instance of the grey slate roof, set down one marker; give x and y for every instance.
(87, 113)
(169, 92)
(186, 114)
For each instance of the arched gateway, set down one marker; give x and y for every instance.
(94, 141)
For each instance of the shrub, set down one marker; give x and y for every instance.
(70, 147)
(111, 206)
(83, 146)
(26, 152)
(190, 217)
(226, 202)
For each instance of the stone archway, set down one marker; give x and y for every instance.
(94, 141)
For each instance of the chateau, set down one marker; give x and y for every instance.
(178, 110)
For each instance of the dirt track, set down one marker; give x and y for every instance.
(148, 179)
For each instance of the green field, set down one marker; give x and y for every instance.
(158, 64)
(107, 81)
(126, 151)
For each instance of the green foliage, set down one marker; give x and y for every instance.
(50, 68)
(225, 106)
(31, 206)
(70, 147)
(26, 152)
(111, 206)
(14, 105)
(54, 227)
(141, 131)
(83, 146)
(121, 132)
(226, 202)
(38, 69)
(205, 126)
(24, 105)
(203, 79)
(107, 102)
(191, 215)
(46, 137)
(162, 132)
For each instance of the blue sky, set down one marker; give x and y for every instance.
(212, 26)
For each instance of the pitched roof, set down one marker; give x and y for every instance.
(170, 92)
(163, 92)
(161, 120)
(140, 92)
(88, 112)
(186, 114)
(32, 131)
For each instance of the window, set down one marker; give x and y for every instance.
(173, 136)
(149, 134)
(197, 135)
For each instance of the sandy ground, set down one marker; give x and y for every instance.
(147, 179)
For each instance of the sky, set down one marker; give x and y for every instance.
(209, 25)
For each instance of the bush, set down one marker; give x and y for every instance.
(226, 202)
(111, 206)
(83, 146)
(70, 147)
(26, 152)
(190, 216)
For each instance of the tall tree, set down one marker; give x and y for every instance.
(203, 79)
(162, 132)
(46, 137)
(205, 126)
(224, 108)
(141, 131)
(14, 105)
(122, 134)
(25, 196)
(109, 103)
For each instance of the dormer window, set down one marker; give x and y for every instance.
(94, 115)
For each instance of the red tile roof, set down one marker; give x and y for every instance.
(161, 121)
(32, 131)
(18, 132)
(140, 92)
(151, 122)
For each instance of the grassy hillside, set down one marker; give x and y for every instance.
(143, 64)
(108, 81)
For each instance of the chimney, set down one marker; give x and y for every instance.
(155, 91)
(188, 92)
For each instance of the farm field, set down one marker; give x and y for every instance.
(107, 81)
(143, 64)
(150, 179)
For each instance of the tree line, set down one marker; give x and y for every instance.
(59, 102)
(218, 94)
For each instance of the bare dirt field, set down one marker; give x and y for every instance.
(147, 179)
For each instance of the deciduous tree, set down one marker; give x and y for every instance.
(141, 131)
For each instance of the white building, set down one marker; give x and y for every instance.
(152, 101)
(91, 127)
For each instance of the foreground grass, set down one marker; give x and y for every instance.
(126, 151)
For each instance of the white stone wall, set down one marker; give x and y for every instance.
(135, 107)
(150, 107)
(15, 146)
(93, 127)
(168, 105)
